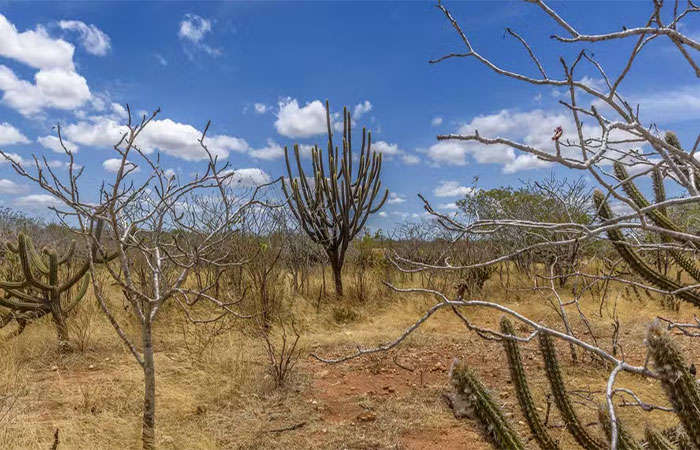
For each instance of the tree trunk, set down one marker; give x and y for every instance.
(148, 434)
(59, 321)
(338, 278)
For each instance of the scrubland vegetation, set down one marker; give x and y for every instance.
(193, 313)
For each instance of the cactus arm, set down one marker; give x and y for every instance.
(635, 262)
(34, 256)
(68, 255)
(679, 385)
(21, 301)
(658, 216)
(561, 397)
(487, 411)
(26, 265)
(657, 441)
(13, 284)
(82, 289)
(625, 440)
(519, 379)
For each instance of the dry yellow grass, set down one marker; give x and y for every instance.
(220, 396)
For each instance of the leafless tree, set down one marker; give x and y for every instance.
(162, 227)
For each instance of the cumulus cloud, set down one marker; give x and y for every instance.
(37, 200)
(9, 187)
(54, 144)
(271, 151)
(94, 40)
(10, 135)
(56, 83)
(193, 29)
(395, 198)
(172, 138)
(534, 128)
(451, 188)
(300, 122)
(448, 206)
(361, 109)
(436, 122)
(390, 151)
(112, 165)
(249, 177)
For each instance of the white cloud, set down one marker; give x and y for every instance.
(382, 214)
(534, 128)
(193, 29)
(9, 187)
(112, 165)
(94, 40)
(261, 108)
(295, 122)
(361, 109)
(34, 48)
(436, 122)
(54, 144)
(56, 84)
(410, 159)
(448, 206)
(37, 200)
(668, 106)
(172, 138)
(53, 88)
(386, 148)
(451, 189)
(15, 157)
(395, 198)
(249, 177)
(271, 151)
(10, 135)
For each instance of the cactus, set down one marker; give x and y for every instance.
(334, 208)
(658, 216)
(625, 441)
(657, 441)
(635, 262)
(494, 422)
(41, 291)
(680, 386)
(517, 375)
(561, 397)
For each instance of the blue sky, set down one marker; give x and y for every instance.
(259, 70)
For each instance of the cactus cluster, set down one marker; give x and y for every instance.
(657, 441)
(625, 440)
(46, 285)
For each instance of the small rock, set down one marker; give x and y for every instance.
(366, 417)
(54, 368)
(91, 367)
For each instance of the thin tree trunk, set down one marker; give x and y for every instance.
(338, 278)
(59, 321)
(149, 384)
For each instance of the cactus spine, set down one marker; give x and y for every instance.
(487, 411)
(519, 378)
(635, 262)
(41, 291)
(334, 207)
(680, 386)
(561, 397)
(657, 441)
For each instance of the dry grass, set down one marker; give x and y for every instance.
(217, 394)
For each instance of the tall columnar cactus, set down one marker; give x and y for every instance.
(334, 207)
(680, 386)
(625, 440)
(657, 441)
(658, 216)
(634, 260)
(485, 408)
(519, 379)
(561, 397)
(41, 290)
